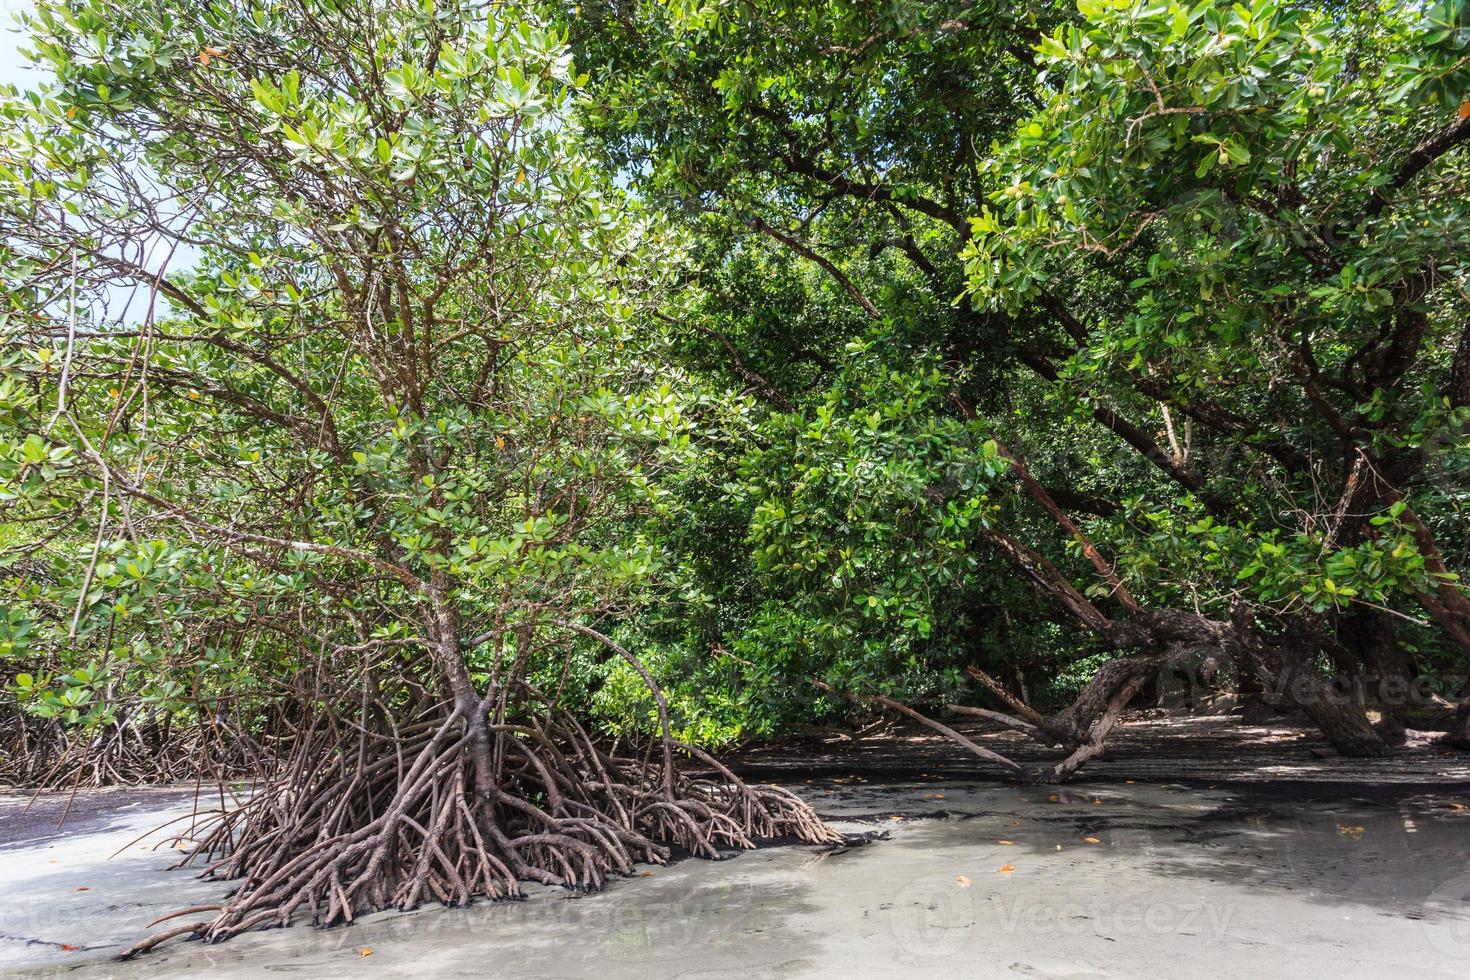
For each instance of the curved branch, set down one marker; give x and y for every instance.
(653, 688)
(827, 264)
(945, 730)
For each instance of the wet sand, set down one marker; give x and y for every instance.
(33, 818)
(974, 879)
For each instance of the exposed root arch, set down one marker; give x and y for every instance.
(131, 751)
(352, 821)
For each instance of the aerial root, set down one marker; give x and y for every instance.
(41, 754)
(461, 811)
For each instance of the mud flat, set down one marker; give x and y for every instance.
(973, 879)
(1148, 746)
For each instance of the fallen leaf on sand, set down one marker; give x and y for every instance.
(962, 881)
(1006, 869)
(365, 951)
(933, 796)
(1092, 840)
(646, 874)
(1007, 843)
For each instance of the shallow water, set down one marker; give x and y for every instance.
(1175, 882)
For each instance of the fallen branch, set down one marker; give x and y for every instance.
(903, 709)
(1001, 718)
(1007, 698)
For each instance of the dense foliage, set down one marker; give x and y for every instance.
(1011, 356)
(1199, 270)
(334, 418)
(409, 354)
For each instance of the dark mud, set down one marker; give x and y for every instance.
(1198, 751)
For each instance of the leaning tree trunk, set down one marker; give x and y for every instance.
(1283, 664)
(1082, 727)
(1459, 734)
(1162, 638)
(1341, 719)
(1388, 669)
(1158, 638)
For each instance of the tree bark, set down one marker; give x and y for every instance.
(1387, 670)
(1459, 735)
(1284, 666)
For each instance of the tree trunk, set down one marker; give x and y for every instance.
(1387, 669)
(1459, 736)
(1341, 719)
(1284, 665)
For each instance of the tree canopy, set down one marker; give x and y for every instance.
(457, 412)
(1193, 272)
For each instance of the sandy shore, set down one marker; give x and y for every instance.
(974, 879)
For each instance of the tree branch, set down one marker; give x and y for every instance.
(821, 260)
